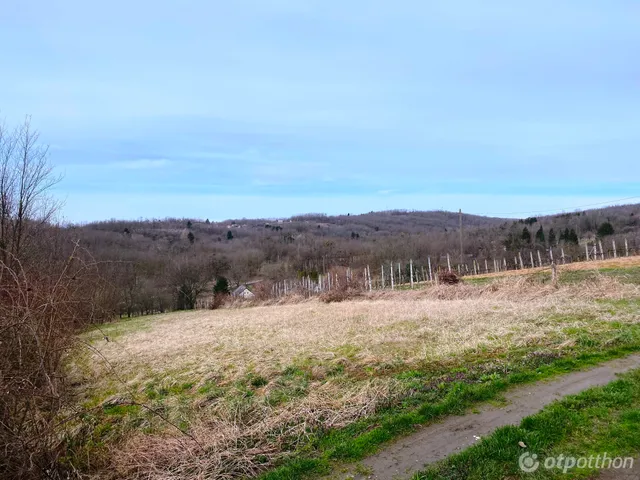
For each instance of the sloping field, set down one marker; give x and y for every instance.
(231, 393)
(593, 265)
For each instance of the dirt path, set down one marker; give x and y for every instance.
(437, 441)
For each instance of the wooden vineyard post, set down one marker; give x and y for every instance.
(539, 259)
(449, 263)
(399, 274)
(369, 277)
(486, 266)
(533, 265)
(626, 248)
(411, 271)
(382, 275)
(601, 250)
(615, 252)
(430, 272)
(562, 252)
(521, 262)
(554, 274)
(391, 272)
(551, 254)
(586, 251)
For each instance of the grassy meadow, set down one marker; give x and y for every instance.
(295, 389)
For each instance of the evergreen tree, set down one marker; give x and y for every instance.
(221, 286)
(229, 235)
(189, 224)
(526, 235)
(552, 237)
(191, 237)
(540, 235)
(605, 229)
(573, 237)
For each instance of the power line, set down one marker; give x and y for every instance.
(557, 210)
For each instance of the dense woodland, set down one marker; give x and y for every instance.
(172, 263)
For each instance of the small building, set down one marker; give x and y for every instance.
(243, 292)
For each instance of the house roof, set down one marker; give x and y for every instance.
(239, 290)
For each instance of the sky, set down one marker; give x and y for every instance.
(270, 108)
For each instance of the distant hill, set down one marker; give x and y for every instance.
(249, 249)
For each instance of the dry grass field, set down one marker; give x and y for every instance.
(229, 393)
(594, 265)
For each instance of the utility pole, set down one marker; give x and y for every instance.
(461, 256)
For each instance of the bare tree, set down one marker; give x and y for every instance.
(26, 176)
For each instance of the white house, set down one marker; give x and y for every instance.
(243, 291)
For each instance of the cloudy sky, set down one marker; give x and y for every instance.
(267, 108)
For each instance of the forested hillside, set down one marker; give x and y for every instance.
(154, 259)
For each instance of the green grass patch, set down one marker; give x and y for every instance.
(440, 390)
(597, 421)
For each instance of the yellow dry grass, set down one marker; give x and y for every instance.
(364, 335)
(595, 265)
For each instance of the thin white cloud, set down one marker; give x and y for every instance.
(142, 164)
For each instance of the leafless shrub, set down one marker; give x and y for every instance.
(448, 278)
(49, 288)
(340, 295)
(41, 308)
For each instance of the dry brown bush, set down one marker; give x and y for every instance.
(448, 278)
(340, 295)
(42, 307)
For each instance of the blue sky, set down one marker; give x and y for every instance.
(259, 108)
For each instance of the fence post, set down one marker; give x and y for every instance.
(430, 273)
(533, 265)
(382, 275)
(562, 252)
(586, 249)
(626, 248)
(411, 270)
(449, 263)
(521, 262)
(615, 253)
(554, 274)
(601, 250)
(486, 266)
(391, 272)
(539, 259)
(551, 254)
